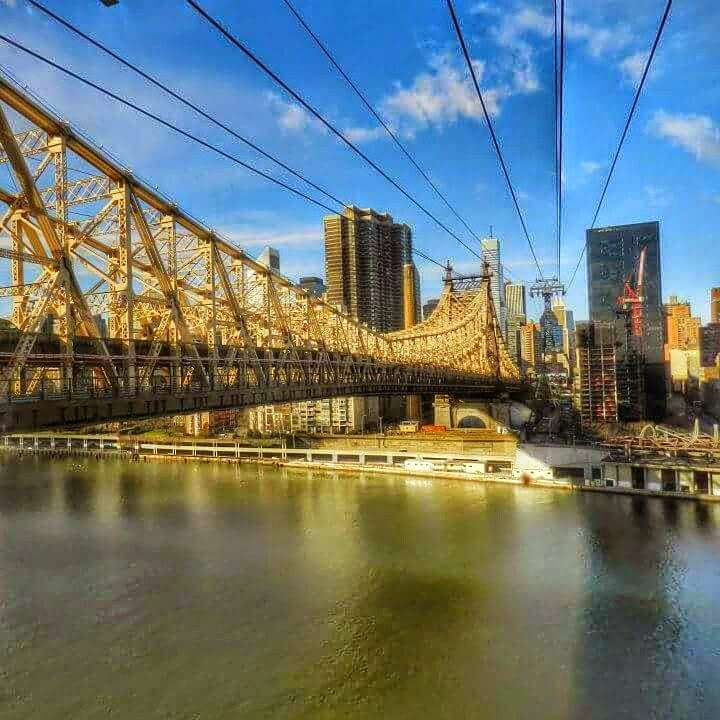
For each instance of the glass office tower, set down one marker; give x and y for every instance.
(612, 258)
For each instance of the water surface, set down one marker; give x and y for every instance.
(150, 591)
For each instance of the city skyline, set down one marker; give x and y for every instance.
(603, 50)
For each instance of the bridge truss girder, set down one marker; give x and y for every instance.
(88, 244)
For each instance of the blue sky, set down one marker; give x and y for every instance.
(405, 57)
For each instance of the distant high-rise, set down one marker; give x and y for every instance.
(515, 299)
(596, 373)
(365, 252)
(429, 307)
(681, 328)
(270, 257)
(516, 316)
(491, 255)
(612, 258)
(312, 285)
(566, 321)
(715, 305)
(529, 347)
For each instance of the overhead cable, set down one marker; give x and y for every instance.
(496, 144)
(630, 115)
(180, 98)
(393, 135)
(180, 131)
(233, 40)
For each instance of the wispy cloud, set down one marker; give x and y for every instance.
(656, 197)
(528, 21)
(632, 66)
(291, 117)
(363, 134)
(698, 134)
(590, 167)
(440, 96)
(309, 236)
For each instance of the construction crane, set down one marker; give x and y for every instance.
(631, 302)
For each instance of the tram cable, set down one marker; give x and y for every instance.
(631, 113)
(233, 40)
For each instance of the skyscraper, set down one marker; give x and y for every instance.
(515, 299)
(516, 309)
(566, 321)
(313, 285)
(429, 307)
(529, 347)
(715, 305)
(613, 255)
(491, 255)
(365, 252)
(270, 257)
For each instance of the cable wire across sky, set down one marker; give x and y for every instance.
(496, 144)
(188, 135)
(628, 121)
(392, 134)
(182, 99)
(233, 40)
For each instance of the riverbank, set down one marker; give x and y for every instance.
(440, 466)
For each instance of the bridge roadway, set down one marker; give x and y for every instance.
(255, 377)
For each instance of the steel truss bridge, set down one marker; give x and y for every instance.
(125, 306)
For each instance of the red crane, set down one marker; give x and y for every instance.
(632, 300)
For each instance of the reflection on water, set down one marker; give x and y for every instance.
(217, 591)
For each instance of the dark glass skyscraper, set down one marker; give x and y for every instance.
(612, 257)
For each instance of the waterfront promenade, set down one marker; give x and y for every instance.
(576, 467)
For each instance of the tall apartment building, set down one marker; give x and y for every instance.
(529, 348)
(566, 322)
(516, 316)
(515, 299)
(365, 252)
(612, 257)
(681, 328)
(313, 285)
(330, 415)
(715, 305)
(596, 373)
(270, 257)
(709, 344)
(491, 255)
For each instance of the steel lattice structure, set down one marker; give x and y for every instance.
(193, 322)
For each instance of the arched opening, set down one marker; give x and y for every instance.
(471, 421)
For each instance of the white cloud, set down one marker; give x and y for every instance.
(440, 97)
(310, 236)
(656, 197)
(590, 167)
(632, 66)
(599, 41)
(362, 134)
(526, 20)
(291, 117)
(698, 134)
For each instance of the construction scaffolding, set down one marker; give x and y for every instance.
(597, 384)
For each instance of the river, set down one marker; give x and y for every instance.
(209, 591)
